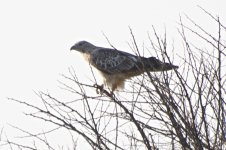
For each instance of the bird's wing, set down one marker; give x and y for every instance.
(112, 61)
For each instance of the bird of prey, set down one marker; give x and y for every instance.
(117, 66)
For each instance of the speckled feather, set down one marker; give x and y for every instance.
(117, 66)
(112, 61)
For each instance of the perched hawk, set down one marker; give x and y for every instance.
(117, 66)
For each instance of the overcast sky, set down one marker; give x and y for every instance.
(36, 35)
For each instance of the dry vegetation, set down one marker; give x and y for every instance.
(179, 109)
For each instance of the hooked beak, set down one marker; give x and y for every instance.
(72, 48)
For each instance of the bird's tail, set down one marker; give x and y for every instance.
(153, 64)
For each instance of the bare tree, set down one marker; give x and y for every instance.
(181, 109)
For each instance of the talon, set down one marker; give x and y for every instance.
(97, 91)
(99, 88)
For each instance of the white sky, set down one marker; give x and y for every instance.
(36, 36)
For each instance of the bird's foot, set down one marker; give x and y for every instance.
(99, 88)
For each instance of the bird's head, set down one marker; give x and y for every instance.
(83, 47)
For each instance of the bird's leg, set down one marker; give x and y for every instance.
(114, 87)
(99, 88)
